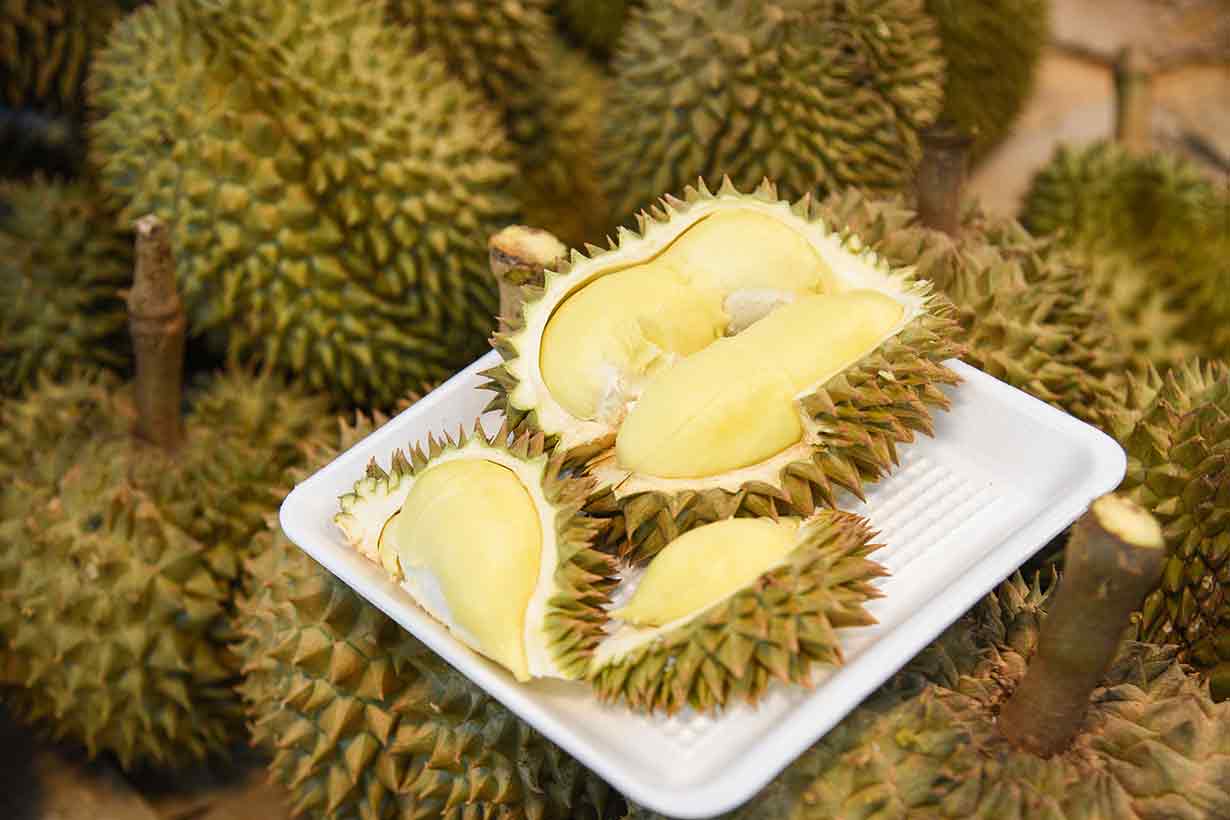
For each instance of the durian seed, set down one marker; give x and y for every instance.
(607, 337)
(468, 536)
(731, 405)
(705, 566)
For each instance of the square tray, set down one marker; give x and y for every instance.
(1004, 474)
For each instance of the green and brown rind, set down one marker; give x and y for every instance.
(584, 577)
(779, 628)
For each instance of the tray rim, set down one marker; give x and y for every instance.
(809, 721)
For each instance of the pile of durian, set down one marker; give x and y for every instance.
(686, 407)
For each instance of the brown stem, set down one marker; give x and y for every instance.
(941, 177)
(156, 322)
(519, 256)
(1134, 101)
(1114, 557)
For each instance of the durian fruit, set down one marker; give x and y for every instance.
(813, 94)
(649, 358)
(726, 609)
(596, 23)
(120, 553)
(1147, 743)
(329, 212)
(1023, 304)
(991, 55)
(1176, 430)
(364, 721)
(63, 262)
(486, 535)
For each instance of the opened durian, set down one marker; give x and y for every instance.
(736, 356)
(365, 721)
(329, 212)
(63, 262)
(120, 554)
(991, 54)
(1024, 305)
(727, 608)
(943, 739)
(485, 534)
(814, 94)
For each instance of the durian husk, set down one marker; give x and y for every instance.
(991, 54)
(779, 628)
(924, 746)
(364, 721)
(121, 562)
(328, 214)
(816, 95)
(584, 577)
(856, 420)
(63, 262)
(1025, 305)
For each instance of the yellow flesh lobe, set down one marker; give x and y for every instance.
(731, 405)
(707, 565)
(473, 526)
(625, 326)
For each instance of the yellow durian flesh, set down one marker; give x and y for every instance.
(607, 337)
(732, 404)
(469, 534)
(706, 565)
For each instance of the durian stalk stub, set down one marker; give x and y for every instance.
(157, 323)
(941, 177)
(1114, 556)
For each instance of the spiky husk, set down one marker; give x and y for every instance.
(596, 23)
(778, 628)
(924, 746)
(815, 94)
(860, 416)
(584, 577)
(329, 214)
(1167, 220)
(365, 722)
(1024, 304)
(1176, 430)
(991, 54)
(120, 562)
(63, 262)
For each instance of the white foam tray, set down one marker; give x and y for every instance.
(1004, 474)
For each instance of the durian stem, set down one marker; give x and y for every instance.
(519, 257)
(157, 324)
(941, 177)
(1134, 101)
(1114, 557)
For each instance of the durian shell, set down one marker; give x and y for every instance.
(813, 94)
(63, 262)
(120, 563)
(861, 415)
(584, 577)
(779, 628)
(329, 215)
(363, 721)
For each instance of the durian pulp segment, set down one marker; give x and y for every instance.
(612, 334)
(469, 543)
(707, 565)
(732, 404)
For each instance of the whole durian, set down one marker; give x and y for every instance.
(63, 262)
(932, 743)
(813, 94)
(121, 553)
(643, 358)
(991, 55)
(329, 212)
(1157, 230)
(365, 722)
